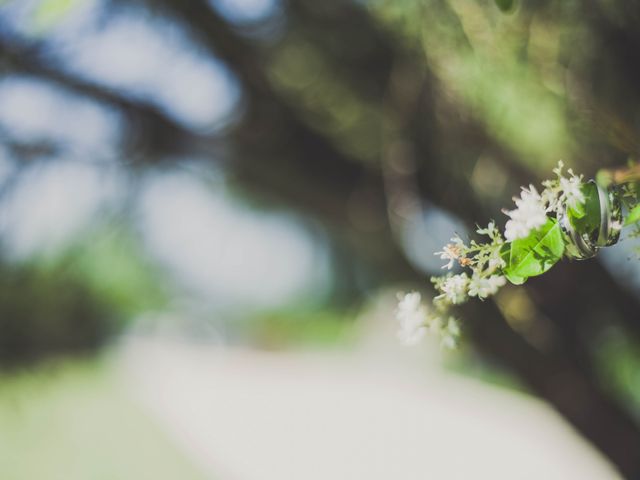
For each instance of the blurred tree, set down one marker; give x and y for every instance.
(72, 302)
(351, 111)
(48, 313)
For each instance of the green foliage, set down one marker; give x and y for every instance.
(505, 5)
(113, 265)
(633, 216)
(48, 312)
(516, 101)
(328, 105)
(75, 301)
(535, 254)
(585, 218)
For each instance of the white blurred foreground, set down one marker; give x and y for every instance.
(246, 415)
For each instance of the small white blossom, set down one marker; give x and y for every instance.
(495, 282)
(563, 191)
(450, 334)
(435, 325)
(448, 342)
(558, 169)
(450, 253)
(454, 288)
(482, 287)
(412, 337)
(571, 188)
(412, 317)
(491, 231)
(530, 214)
(495, 262)
(453, 328)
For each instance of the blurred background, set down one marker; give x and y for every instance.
(208, 206)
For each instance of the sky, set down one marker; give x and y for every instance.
(217, 249)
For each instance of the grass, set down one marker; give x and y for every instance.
(73, 421)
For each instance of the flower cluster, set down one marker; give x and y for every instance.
(533, 207)
(416, 320)
(530, 214)
(484, 261)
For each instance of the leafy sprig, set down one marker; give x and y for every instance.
(564, 219)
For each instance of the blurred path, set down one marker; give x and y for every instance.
(244, 415)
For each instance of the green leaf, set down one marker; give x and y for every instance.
(505, 5)
(587, 218)
(578, 211)
(505, 253)
(633, 217)
(535, 254)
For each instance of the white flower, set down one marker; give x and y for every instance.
(482, 287)
(454, 288)
(448, 342)
(496, 261)
(451, 252)
(495, 282)
(572, 192)
(450, 334)
(529, 215)
(412, 337)
(409, 303)
(558, 169)
(453, 328)
(412, 316)
(435, 325)
(491, 231)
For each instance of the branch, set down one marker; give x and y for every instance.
(152, 132)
